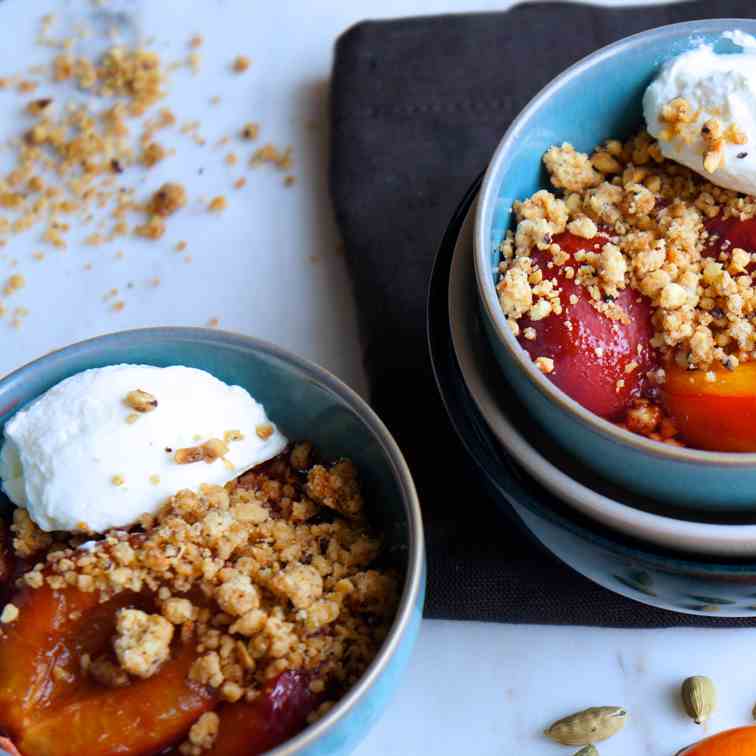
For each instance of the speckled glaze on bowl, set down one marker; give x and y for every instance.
(306, 402)
(597, 98)
(685, 583)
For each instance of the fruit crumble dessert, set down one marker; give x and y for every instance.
(630, 283)
(221, 620)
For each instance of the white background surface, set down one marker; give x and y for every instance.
(271, 266)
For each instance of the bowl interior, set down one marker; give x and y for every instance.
(596, 99)
(305, 401)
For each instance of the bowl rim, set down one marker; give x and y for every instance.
(413, 588)
(483, 273)
(706, 539)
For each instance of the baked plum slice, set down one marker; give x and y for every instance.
(599, 361)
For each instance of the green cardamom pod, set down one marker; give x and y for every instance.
(589, 750)
(699, 698)
(590, 726)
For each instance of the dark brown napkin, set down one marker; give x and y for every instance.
(418, 106)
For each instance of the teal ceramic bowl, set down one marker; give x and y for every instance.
(598, 98)
(306, 402)
(710, 586)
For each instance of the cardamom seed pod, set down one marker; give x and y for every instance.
(590, 726)
(589, 750)
(699, 698)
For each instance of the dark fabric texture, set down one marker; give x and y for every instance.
(418, 106)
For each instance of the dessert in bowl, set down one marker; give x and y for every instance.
(616, 284)
(177, 557)
(707, 583)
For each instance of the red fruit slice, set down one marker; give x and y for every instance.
(277, 715)
(730, 233)
(592, 353)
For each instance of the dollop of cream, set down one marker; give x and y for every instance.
(715, 86)
(80, 456)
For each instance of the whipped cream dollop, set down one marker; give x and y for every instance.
(81, 455)
(715, 86)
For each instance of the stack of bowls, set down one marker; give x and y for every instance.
(672, 527)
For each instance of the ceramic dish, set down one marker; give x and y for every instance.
(307, 402)
(597, 98)
(541, 458)
(692, 584)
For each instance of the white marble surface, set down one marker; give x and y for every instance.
(271, 267)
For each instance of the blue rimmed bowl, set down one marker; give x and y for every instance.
(306, 402)
(708, 585)
(598, 98)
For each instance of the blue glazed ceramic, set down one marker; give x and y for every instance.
(691, 584)
(598, 98)
(306, 402)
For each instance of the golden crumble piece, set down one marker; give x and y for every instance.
(264, 431)
(237, 596)
(270, 154)
(336, 488)
(167, 200)
(217, 204)
(678, 110)
(142, 642)
(301, 455)
(250, 131)
(152, 154)
(15, 283)
(9, 614)
(250, 623)
(241, 64)
(206, 670)
(373, 592)
(515, 292)
(28, 537)
(612, 267)
(583, 227)
(544, 205)
(38, 107)
(118, 480)
(202, 735)
(604, 162)
(569, 169)
(643, 417)
(300, 583)
(141, 401)
(153, 229)
(178, 610)
(544, 364)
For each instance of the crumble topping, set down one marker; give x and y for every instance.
(651, 212)
(274, 571)
(142, 642)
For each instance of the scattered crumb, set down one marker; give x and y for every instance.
(241, 63)
(250, 131)
(217, 204)
(15, 283)
(289, 180)
(9, 614)
(213, 323)
(240, 183)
